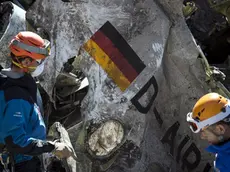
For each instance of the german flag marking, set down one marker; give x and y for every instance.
(114, 55)
(107, 64)
(107, 46)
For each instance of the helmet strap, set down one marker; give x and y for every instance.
(20, 65)
(25, 69)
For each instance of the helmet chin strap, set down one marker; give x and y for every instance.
(20, 66)
(24, 68)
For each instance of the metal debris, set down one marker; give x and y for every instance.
(11, 23)
(58, 133)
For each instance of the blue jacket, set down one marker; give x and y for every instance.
(222, 162)
(22, 129)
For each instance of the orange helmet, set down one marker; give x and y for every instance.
(29, 44)
(209, 109)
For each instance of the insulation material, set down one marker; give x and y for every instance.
(106, 138)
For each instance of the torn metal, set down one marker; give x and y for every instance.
(12, 20)
(153, 107)
(58, 133)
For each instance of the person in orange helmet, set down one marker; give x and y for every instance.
(28, 52)
(22, 129)
(211, 118)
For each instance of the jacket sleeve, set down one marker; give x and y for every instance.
(16, 139)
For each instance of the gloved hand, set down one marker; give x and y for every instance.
(62, 150)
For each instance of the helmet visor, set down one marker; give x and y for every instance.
(193, 127)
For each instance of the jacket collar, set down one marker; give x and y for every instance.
(223, 147)
(11, 74)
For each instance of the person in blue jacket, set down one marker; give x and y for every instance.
(22, 129)
(211, 118)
